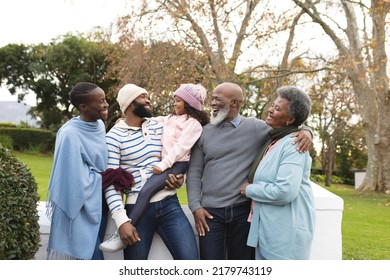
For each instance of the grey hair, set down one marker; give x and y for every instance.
(299, 103)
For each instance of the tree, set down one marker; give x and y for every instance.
(365, 64)
(220, 30)
(159, 67)
(50, 71)
(15, 72)
(334, 118)
(224, 32)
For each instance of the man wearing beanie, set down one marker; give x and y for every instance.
(134, 144)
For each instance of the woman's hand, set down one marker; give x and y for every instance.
(243, 189)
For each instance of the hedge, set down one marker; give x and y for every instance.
(19, 227)
(24, 139)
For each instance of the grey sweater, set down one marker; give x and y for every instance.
(220, 162)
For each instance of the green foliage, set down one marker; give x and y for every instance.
(15, 71)
(50, 71)
(7, 124)
(19, 228)
(318, 178)
(6, 141)
(321, 179)
(352, 154)
(40, 165)
(24, 139)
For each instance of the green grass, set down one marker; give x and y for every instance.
(365, 224)
(40, 167)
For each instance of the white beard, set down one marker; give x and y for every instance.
(220, 117)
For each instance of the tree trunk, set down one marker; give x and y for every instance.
(378, 132)
(330, 163)
(378, 148)
(372, 95)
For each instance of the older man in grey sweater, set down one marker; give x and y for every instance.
(219, 165)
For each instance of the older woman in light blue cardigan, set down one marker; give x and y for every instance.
(282, 221)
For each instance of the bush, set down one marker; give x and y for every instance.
(25, 139)
(6, 141)
(19, 228)
(320, 179)
(7, 124)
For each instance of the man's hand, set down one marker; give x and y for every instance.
(201, 225)
(128, 234)
(304, 139)
(174, 182)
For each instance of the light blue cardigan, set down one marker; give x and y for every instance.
(283, 218)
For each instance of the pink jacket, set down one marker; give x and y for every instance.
(179, 135)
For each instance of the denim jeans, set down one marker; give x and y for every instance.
(228, 234)
(166, 217)
(154, 184)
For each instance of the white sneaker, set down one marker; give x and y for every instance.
(113, 244)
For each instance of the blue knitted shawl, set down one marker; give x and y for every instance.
(75, 189)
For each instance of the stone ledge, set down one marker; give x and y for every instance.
(327, 242)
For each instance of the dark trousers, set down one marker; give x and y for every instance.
(153, 185)
(228, 234)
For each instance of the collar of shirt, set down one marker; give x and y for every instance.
(234, 122)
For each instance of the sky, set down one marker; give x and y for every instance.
(39, 21)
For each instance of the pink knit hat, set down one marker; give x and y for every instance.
(193, 94)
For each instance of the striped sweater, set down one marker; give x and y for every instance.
(137, 150)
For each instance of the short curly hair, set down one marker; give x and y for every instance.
(78, 94)
(299, 103)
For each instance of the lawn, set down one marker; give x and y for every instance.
(40, 166)
(365, 224)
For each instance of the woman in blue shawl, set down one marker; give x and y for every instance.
(75, 188)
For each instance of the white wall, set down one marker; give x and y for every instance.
(327, 242)
(359, 177)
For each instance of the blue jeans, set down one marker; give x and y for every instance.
(166, 217)
(154, 184)
(228, 234)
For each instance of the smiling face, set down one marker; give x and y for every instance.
(96, 106)
(278, 115)
(141, 106)
(220, 107)
(179, 106)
